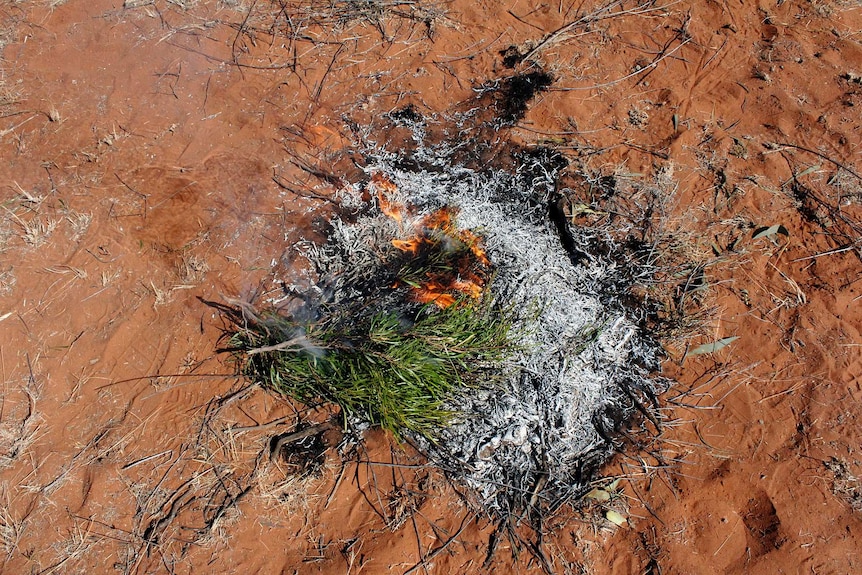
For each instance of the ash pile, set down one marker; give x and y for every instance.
(535, 436)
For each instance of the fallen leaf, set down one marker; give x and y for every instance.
(769, 231)
(598, 495)
(615, 518)
(714, 346)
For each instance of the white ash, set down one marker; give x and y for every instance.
(578, 352)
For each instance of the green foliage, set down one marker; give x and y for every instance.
(402, 374)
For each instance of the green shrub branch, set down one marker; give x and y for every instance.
(402, 374)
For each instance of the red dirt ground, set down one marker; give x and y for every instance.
(141, 143)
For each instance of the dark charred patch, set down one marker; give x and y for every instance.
(512, 56)
(408, 115)
(807, 204)
(517, 92)
(303, 457)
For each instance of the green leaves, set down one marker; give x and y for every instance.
(399, 374)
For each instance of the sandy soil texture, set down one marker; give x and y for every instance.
(161, 154)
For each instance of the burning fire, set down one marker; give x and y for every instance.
(453, 260)
(386, 192)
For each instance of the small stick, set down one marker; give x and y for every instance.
(277, 347)
(136, 192)
(828, 253)
(145, 459)
(665, 48)
(816, 153)
(325, 74)
(472, 54)
(335, 487)
(163, 375)
(594, 16)
(239, 32)
(272, 423)
(522, 21)
(15, 127)
(442, 547)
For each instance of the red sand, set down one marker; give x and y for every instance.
(140, 147)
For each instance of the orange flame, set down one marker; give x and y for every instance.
(411, 245)
(468, 262)
(441, 219)
(433, 293)
(386, 189)
(471, 288)
(473, 241)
